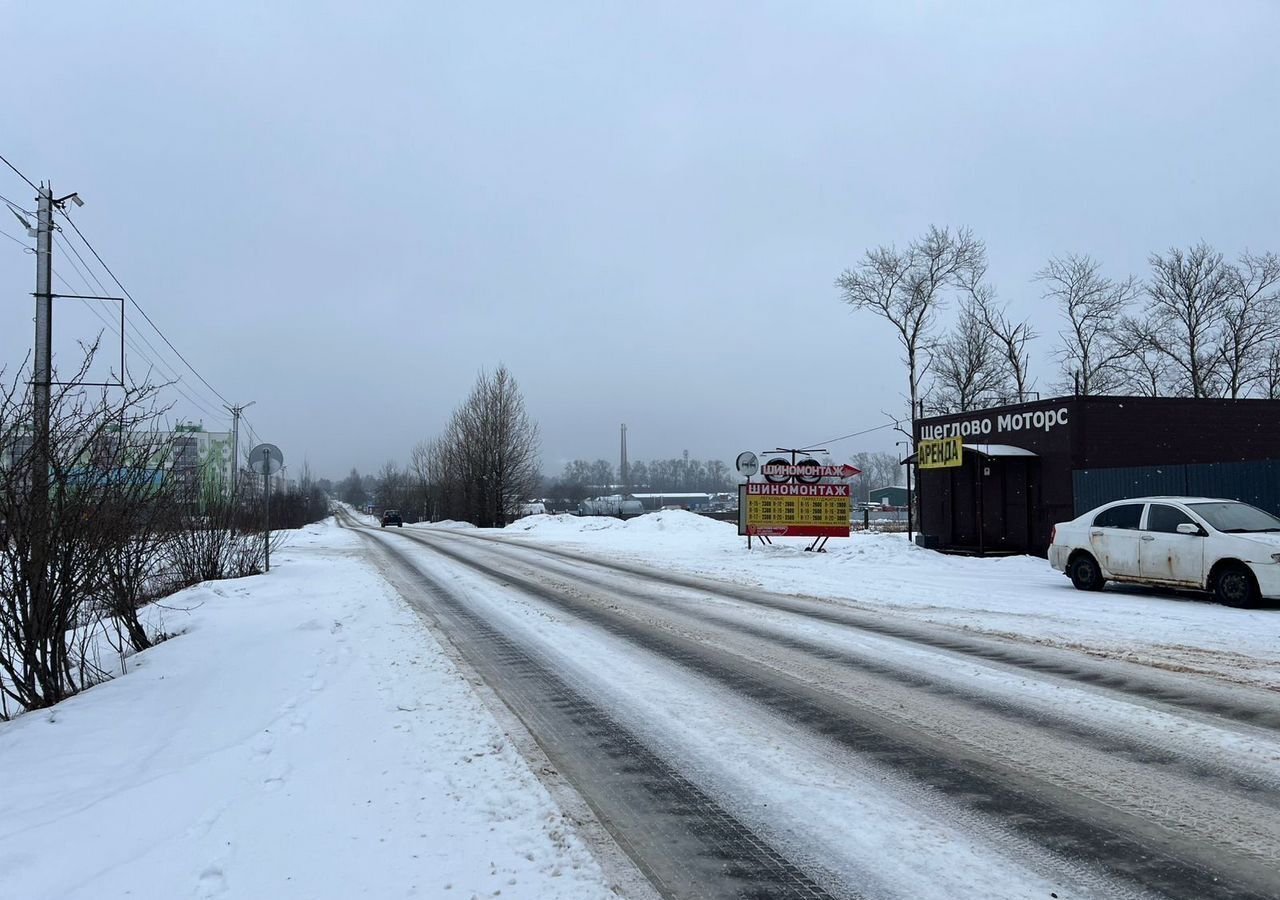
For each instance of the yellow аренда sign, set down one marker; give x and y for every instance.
(946, 453)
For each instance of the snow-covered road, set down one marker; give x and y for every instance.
(733, 738)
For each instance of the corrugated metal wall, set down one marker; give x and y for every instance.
(1253, 482)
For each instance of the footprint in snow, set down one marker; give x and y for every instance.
(211, 883)
(276, 780)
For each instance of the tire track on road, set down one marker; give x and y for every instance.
(1259, 786)
(1254, 709)
(1073, 827)
(686, 843)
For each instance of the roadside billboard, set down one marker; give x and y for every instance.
(794, 510)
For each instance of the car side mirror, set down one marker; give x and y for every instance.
(1189, 528)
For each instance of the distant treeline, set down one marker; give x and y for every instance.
(581, 479)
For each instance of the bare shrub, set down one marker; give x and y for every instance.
(59, 541)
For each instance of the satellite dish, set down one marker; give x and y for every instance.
(747, 464)
(266, 459)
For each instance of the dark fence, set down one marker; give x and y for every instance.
(1257, 483)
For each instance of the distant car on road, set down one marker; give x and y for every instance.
(1226, 547)
(391, 517)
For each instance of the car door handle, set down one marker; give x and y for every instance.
(1148, 537)
(1095, 534)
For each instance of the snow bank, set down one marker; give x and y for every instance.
(563, 525)
(673, 521)
(679, 521)
(303, 737)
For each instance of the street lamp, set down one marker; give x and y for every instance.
(907, 444)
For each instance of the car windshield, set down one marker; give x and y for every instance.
(1236, 518)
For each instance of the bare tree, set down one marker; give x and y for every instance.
(969, 364)
(1091, 358)
(1143, 365)
(393, 486)
(879, 470)
(1271, 374)
(1012, 337)
(906, 288)
(1187, 297)
(601, 477)
(420, 477)
(717, 476)
(351, 489)
(486, 462)
(574, 483)
(639, 472)
(1250, 321)
(436, 466)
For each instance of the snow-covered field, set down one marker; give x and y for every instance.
(304, 736)
(1017, 597)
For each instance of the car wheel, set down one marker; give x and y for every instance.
(1235, 586)
(1085, 573)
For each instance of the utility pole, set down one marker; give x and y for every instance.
(266, 502)
(624, 472)
(236, 412)
(910, 466)
(42, 376)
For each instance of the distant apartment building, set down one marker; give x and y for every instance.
(199, 457)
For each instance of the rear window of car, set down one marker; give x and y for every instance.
(1125, 516)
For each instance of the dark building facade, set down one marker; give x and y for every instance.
(1030, 465)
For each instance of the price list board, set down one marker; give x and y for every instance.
(794, 510)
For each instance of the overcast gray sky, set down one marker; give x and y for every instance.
(343, 211)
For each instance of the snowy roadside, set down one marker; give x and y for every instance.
(1019, 598)
(304, 736)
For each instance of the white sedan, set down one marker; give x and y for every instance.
(1229, 548)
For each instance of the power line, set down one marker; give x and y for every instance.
(19, 207)
(141, 310)
(855, 434)
(20, 175)
(16, 240)
(114, 329)
(168, 372)
(192, 395)
(123, 334)
(206, 408)
(253, 432)
(127, 337)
